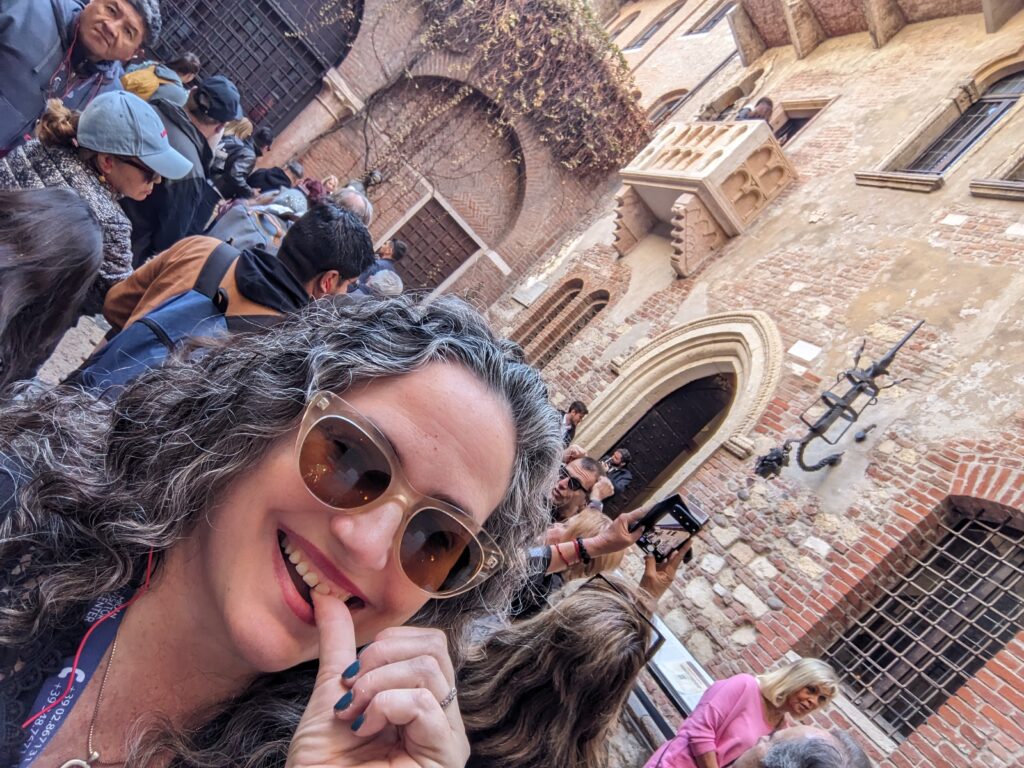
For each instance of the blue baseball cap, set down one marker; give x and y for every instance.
(120, 123)
(219, 99)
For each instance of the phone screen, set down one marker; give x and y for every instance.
(663, 540)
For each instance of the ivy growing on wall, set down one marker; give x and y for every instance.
(551, 62)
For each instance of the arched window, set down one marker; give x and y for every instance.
(576, 319)
(654, 26)
(543, 317)
(623, 25)
(969, 127)
(561, 316)
(957, 605)
(665, 106)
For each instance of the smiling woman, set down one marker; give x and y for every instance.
(737, 713)
(364, 472)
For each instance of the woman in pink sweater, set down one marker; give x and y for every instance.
(734, 713)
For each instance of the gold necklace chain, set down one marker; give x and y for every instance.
(94, 757)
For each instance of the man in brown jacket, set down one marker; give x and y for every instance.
(322, 254)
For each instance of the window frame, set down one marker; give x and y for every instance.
(623, 25)
(985, 87)
(670, 102)
(654, 27)
(713, 18)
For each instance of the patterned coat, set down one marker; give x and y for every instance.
(33, 166)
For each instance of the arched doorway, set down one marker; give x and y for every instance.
(670, 433)
(743, 346)
(275, 52)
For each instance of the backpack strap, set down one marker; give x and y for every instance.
(212, 275)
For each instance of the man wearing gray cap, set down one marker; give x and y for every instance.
(181, 208)
(67, 50)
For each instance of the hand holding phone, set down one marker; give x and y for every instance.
(662, 536)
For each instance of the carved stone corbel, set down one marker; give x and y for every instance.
(696, 235)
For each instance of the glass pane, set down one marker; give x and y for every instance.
(960, 136)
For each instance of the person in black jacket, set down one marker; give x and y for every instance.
(617, 469)
(571, 419)
(177, 209)
(234, 160)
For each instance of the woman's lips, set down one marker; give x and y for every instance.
(325, 572)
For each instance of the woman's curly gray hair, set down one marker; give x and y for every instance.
(109, 483)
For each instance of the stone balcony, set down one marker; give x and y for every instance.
(707, 181)
(761, 24)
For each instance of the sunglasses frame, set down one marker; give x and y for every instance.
(657, 638)
(575, 484)
(324, 405)
(150, 174)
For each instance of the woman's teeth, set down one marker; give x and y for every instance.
(309, 575)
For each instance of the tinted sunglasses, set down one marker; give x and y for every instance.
(348, 464)
(150, 175)
(574, 483)
(598, 581)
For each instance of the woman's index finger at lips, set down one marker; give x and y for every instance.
(337, 635)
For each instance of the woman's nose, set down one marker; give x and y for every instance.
(367, 538)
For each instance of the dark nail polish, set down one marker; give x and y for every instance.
(358, 723)
(352, 671)
(343, 702)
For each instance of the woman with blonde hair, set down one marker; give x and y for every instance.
(234, 160)
(566, 564)
(116, 147)
(545, 691)
(734, 713)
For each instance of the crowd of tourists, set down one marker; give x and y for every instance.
(286, 515)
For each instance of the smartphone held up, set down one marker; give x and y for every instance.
(668, 526)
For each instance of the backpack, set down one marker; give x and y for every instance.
(196, 313)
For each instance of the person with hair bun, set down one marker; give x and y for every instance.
(44, 275)
(735, 713)
(115, 148)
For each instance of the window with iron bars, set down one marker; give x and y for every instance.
(970, 126)
(960, 603)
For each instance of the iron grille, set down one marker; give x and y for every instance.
(711, 21)
(657, 24)
(437, 247)
(959, 605)
(270, 53)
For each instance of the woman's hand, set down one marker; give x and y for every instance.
(616, 536)
(659, 576)
(387, 712)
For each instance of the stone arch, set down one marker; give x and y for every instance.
(731, 95)
(662, 109)
(993, 71)
(745, 344)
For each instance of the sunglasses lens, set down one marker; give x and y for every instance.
(439, 554)
(341, 465)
